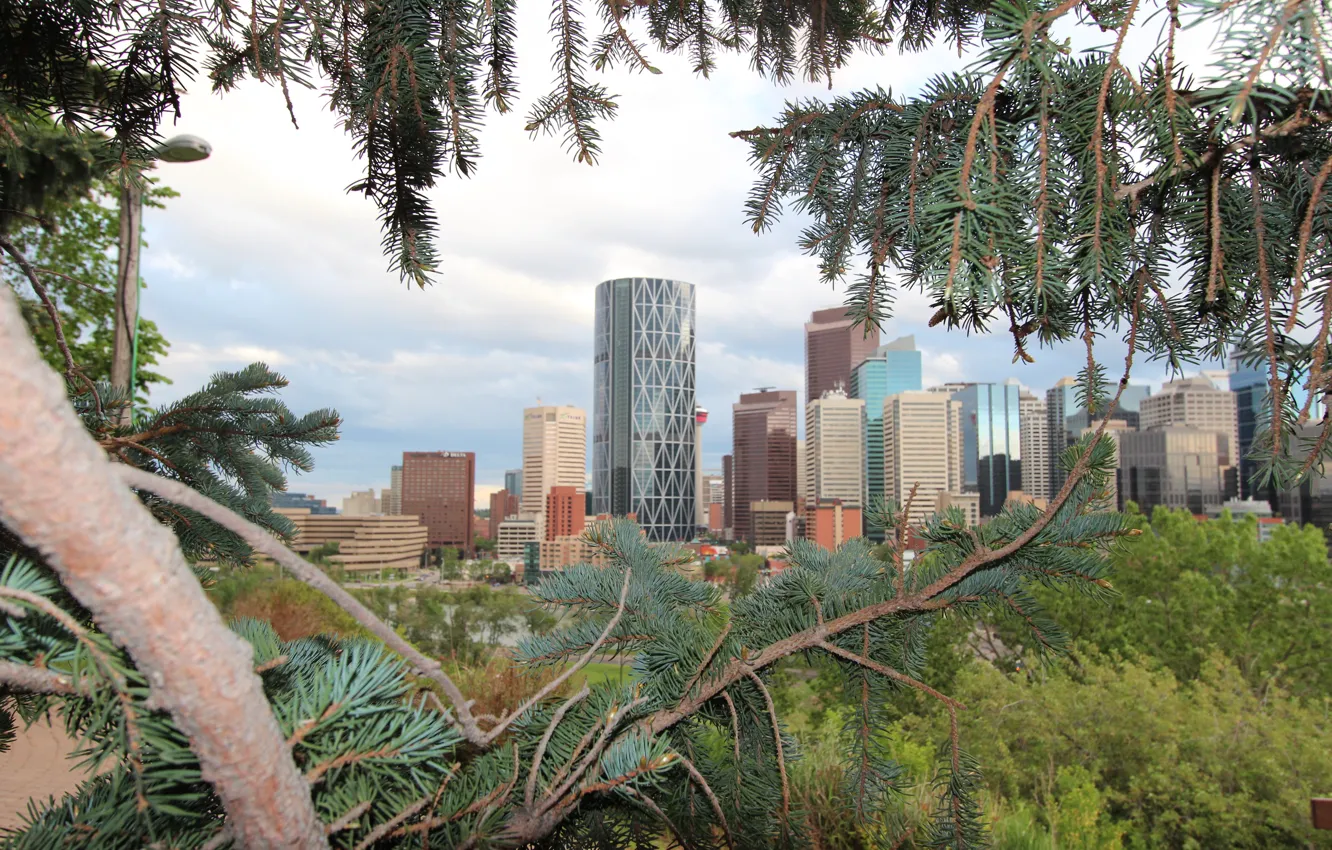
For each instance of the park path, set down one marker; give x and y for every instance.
(37, 766)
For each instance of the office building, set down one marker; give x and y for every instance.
(513, 482)
(1066, 417)
(302, 501)
(1114, 496)
(394, 496)
(834, 345)
(564, 513)
(717, 519)
(922, 448)
(772, 522)
(763, 466)
(991, 442)
(361, 503)
(366, 543)
(835, 450)
(440, 488)
(1034, 427)
(802, 486)
(512, 539)
(554, 453)
(830, 523)
(700, 495)
(643, 417)
(893, 368)
(1250, 383)
(967, 503)
(1198, 403)
(1173, 465)
(728, 495)
(503, 505)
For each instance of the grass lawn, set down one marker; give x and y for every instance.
(598, 672)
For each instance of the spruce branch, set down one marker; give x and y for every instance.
(306, 572)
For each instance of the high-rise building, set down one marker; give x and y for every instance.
(1250, 383)
(564, 513)
(802, 485)
(922, 448)
(894, 368)
(394, 506)
(834, 345)
(513, 482)
(991, 442)
(1173, 465)
(1199, 403)
(1066, 417)
(700, 496)
(554, 453)
(728, 495)
(361, 503)
(503, 505)
(763, 436)
(1034, 426)
(439, 488)
(835, 450)
(643, 405)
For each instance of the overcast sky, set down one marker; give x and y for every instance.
(265, 257)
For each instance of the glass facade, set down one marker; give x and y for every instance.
(1066, 418)
(991, 443)
(894, 368)
(643, 405)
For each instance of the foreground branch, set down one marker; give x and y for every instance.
(62, 497)
(261, 541)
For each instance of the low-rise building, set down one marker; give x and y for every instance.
(769, 522)
(968, 503)
(365, 543)
(830, 522)
(514, 535)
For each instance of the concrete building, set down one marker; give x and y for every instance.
(513, 482)
(1199, 403)
(922, 447)
(763, 436)
(717, 519)
(366, 544)
(394, 494)
(1034, 430)
(728, 494)
(1114, 498)
(830, 523)
(770, 521)
(503, 505)
(834, 345)
(893, 368)
(700, 495)
(991, 442)
(968, 503)
(361, 503)
(835, 451)
(564, 513)
(1177, 466)
(440, 489)
(1061, 405)
(512, 539)
(554, 453)
(643, 421)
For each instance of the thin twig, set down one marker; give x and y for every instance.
(777, 739)
(348, 820)
(712, 797)
(871, 664)
(707, 659)
(1306, 235)
(530, 793)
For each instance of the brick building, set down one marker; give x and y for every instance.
(439, 488)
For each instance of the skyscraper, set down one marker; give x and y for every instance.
(834, 346)
(513, 482)
(1062, 405)
(394, 506)
(922, 448)
(700, 496)
(835, 450)
(554, 453)
(728, 494)
(439, 488)
(1250, 383)
(1199, 403)
(763, 435)
(1034, 425)
(1172, 465)
(991, 442)
(643, 405)
(894, 368)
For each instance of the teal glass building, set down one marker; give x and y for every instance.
(991, 442)
(894, 368)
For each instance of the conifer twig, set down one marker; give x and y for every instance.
(263, 542)
(777, 739)
(703, 785)
(530, 793)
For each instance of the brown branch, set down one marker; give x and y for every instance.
(707, 659)
(1269, 331)
(735, 726)
(41, 680)
(656, 810)
(871, 664)
(392, 823)
(530, 793)
(63, 497)
(348, 820)
(1216, 257)
(559, 680)
(777, 739)
(1249, 81)
(1306, 235)
(263, 542)
(712, 797)
(1098, 133)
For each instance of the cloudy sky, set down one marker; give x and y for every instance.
(265, 257)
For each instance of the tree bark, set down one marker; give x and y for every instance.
(61, 496)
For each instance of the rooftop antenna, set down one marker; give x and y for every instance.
(764, 389)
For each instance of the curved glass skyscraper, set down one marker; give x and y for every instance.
(643, 405)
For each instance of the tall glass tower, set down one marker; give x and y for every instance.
(643, 405)
(894, 368)
(991, 442)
